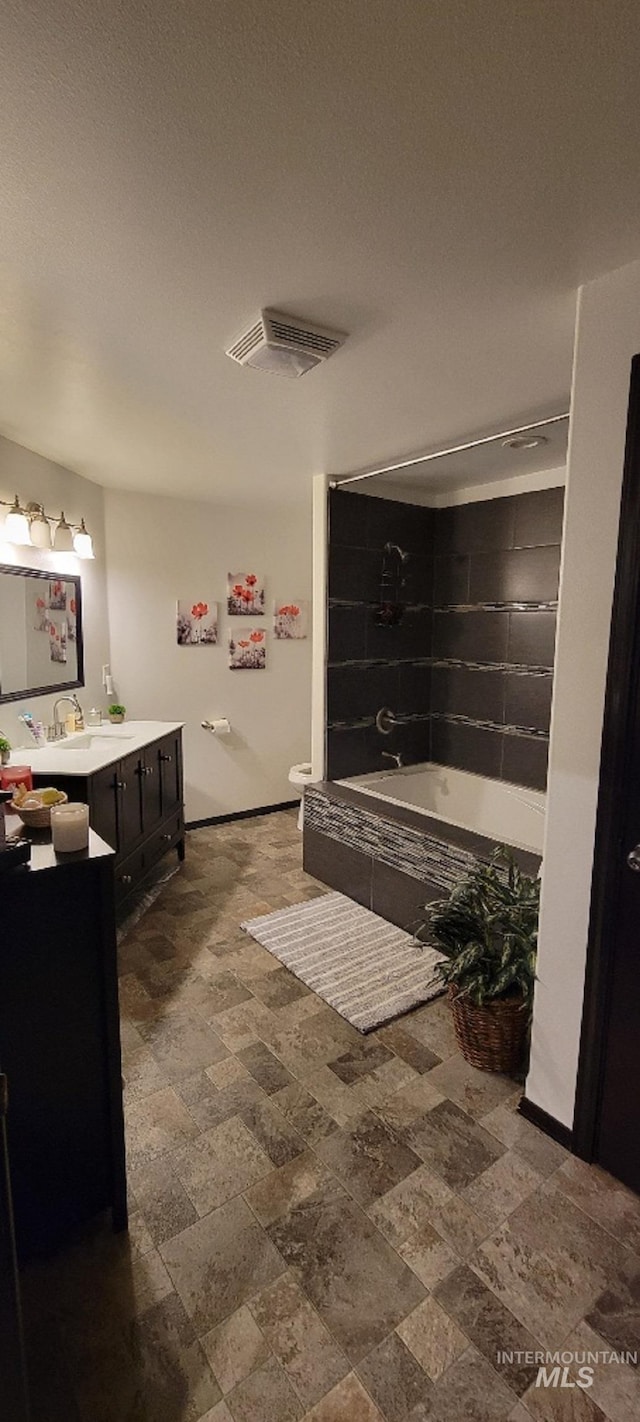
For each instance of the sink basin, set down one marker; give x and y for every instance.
(87, 742)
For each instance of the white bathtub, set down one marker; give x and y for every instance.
(507, 814)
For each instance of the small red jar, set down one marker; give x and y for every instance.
(11, 776)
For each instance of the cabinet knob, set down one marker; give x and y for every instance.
(148, 770)
(167, 836)
(125, 878)
(164, 756)
(120, 785)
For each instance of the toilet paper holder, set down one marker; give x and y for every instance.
(219, 727)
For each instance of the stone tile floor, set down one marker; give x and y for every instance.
(323, 1226)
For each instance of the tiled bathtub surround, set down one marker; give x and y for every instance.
(470, 669)
(388, 857)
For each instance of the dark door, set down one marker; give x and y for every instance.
(13, 1384)
(170, 765)
(151, 788)
(129, 780)
(104, 805)
(607, 1118)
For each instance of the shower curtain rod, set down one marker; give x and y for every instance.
(439, 453)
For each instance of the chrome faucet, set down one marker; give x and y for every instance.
(395, 756)
(60, 730)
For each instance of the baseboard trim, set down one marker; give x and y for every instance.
(242, 815)
(535, 1114)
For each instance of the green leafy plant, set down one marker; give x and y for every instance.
(488, 932)
(116, 710)
(5, 745)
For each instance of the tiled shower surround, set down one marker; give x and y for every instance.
(469, 668)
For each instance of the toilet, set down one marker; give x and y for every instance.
(299, 776)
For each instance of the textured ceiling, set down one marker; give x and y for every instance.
(434, 176)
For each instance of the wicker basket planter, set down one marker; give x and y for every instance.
(492, 1037)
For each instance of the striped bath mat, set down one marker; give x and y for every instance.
(362, 966)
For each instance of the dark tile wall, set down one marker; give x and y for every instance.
(496, 571)
(469, 669)
(371, 666)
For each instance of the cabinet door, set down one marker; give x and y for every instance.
(169, 751)
(104, 805)
(12, 1361)
(129, 785)
(150, 771)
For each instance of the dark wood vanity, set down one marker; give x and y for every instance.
(135, 804)
(60, 1043)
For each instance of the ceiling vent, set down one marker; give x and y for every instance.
(284, 345)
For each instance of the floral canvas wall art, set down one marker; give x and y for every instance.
(245, 595)
(71, 620)
(290, 620)
(196, 624)
(58, 641)
(40, 615)
(248, 650)
(58, 596)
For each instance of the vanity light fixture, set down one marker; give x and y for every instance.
(16, 524)
(83, 542)
(63, 536)
(30, 525)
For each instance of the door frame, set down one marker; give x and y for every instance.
(623, 680)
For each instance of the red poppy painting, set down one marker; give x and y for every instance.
(57, 595)
(196, 623)
(41, 614)
(58, 641)
(248, 653)
(245, 594)
(290, 620)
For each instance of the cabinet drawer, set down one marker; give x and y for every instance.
(128, 873)
(158, 844)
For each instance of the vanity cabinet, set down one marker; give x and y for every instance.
(135, 805)
(60, 1044)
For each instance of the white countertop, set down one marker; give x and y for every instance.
(109, 744)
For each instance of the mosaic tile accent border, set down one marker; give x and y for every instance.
(367, 721)
(414, 852)
(516, 668)
(496, 606)
(504, 730)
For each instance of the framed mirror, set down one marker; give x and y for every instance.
(41, 647)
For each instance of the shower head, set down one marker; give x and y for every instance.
(394, 548)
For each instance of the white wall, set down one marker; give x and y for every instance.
(502, 488)
(608, 335)
(34, 478)
(161, 549)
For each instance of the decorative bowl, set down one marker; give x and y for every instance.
(37, 818)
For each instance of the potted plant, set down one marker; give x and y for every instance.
(5, 750)
(488, 932)
(116, 713)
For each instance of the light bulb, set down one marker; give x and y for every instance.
(82, 542)
(63, 537)
(39, 527)
(16, 525)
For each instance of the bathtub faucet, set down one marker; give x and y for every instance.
(395, 756)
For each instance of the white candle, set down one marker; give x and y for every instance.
(69, 827)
